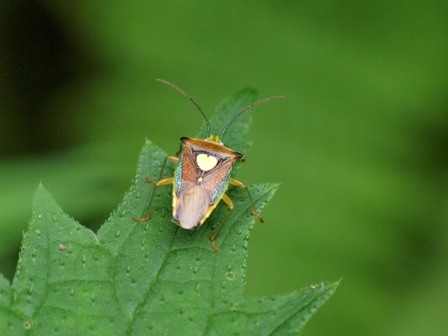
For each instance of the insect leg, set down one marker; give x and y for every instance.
(240, 184)
(157, 184)
(229, 203)
(171, 158)
(161, 182)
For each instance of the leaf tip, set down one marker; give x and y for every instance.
(248, 90)
(271, 189)
(40, 191)
(43, 198)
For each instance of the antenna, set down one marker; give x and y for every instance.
(190, 99)
(251, 106)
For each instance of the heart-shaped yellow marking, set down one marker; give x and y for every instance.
(206, 162)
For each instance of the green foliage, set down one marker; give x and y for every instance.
(147, 278)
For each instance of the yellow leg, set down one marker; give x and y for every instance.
(229, 203)
(173, 159)
(240, 184)
(161, 182)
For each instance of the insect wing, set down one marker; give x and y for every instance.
(191, 207)
(215, 181)
(190, 202)
(187, 171)
(198, 191)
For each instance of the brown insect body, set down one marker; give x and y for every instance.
(201, 179)
(202, 176)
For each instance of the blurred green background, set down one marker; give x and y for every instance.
(360, 144)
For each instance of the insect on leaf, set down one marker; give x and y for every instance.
(149, 278)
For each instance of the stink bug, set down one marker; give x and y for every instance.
(202, 175)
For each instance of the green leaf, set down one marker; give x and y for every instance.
(147, 278)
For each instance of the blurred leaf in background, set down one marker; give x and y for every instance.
(360, 144)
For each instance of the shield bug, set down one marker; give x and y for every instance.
(202, 175)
